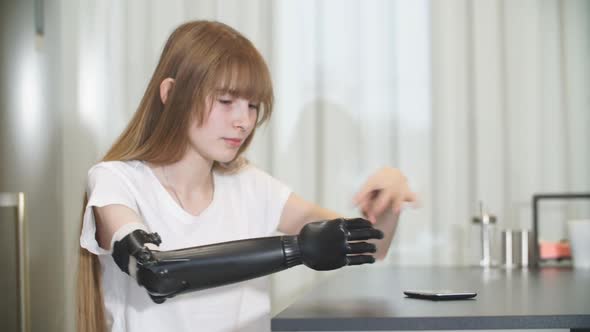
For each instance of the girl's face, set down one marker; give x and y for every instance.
(226, 127)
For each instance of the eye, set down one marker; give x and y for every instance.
(254, 106)
(225, 101)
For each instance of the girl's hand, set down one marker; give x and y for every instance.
(386, 189)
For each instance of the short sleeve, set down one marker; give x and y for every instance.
(276, 194)
(105, 186)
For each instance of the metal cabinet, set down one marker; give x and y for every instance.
(14, 276)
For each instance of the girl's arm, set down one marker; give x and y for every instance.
(379, 200)
(299, 212)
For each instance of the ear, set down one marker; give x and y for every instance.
(165, 87)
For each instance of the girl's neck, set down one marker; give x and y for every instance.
(191, 174)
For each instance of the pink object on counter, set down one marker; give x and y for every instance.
(554, 250)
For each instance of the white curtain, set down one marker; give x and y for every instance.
(511, 114)
(473, 100)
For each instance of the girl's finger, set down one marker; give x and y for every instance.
(366, 190)
(382, 202)
(411, 197)
(372, 218)
(367, 213)
(397, 206)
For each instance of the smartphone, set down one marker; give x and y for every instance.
(439, 294)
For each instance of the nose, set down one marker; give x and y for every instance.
(243, 118)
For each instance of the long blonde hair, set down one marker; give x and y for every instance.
(205, 59)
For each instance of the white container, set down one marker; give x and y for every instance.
(579, 236)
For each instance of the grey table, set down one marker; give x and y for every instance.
(371, 299)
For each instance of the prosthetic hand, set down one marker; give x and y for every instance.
(323, 245)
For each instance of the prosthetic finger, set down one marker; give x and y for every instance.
(131, 244)
(360, 248)
(360, 259)
(364, 234)
(357, 223)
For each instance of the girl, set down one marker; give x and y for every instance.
(178, 170)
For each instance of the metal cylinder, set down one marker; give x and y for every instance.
(517, 248)
(526, 248)
(511, 256)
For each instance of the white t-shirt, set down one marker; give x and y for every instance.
(247, 204)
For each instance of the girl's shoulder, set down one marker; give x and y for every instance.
(118, 164)
(126, 169)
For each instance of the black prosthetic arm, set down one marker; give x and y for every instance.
(324, 245)
(174, 272)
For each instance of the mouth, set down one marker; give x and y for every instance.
(233, 142)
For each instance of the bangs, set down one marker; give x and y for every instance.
(243, 76)
(244, 79)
